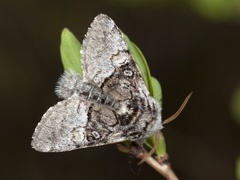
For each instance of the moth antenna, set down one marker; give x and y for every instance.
(175, 115)
(156, 142)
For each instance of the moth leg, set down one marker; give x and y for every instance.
(139, 142)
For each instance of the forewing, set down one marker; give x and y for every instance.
(107, 62)
(103, 42)
(75, 123)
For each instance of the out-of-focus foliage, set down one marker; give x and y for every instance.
(215, 10)
(235, 105)
(235, 109)
(238, 168)
(146, 3)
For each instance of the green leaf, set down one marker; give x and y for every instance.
(161, 148)
(140, 61)
(70, 51)
(157, 91)
(154, 88)
(152, 83)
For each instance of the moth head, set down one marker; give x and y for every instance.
(67, 84)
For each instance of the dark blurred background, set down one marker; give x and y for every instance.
(189, 45)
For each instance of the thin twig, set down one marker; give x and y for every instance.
(163, 168)
(160, 164)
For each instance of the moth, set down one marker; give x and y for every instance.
(108, 104)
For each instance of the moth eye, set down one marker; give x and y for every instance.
(127, 72)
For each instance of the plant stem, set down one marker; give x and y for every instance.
(159, 165)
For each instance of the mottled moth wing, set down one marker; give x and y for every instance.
(109, 104)
(108, 63)
(75, 123)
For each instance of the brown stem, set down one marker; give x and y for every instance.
(159, 165)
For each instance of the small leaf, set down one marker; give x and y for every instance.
(154, 88)
(140, 61)
(161, 148)
(152, 83)
(157, 91)
(70, 51)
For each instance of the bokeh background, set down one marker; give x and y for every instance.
(190, 45)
